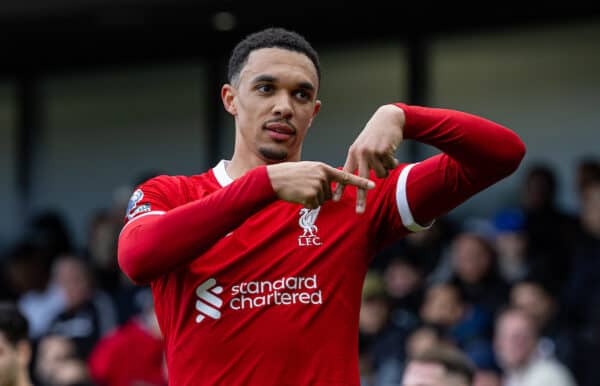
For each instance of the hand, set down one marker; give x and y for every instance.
(374, 148)
(309, 183)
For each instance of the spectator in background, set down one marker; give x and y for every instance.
(102, 253)
(89, 314)
(582, 292)
(588, 171)
(467, 325)
(15, 348)
(516, 342)
(532, 297)
(549, 229)
(404, 284)
(511, 245)
(476, 272)
(380, 338)
(58, 363)
(439, 366)
(140, 338)
(38, 298)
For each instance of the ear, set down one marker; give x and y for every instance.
(228, 96)
(315, 111)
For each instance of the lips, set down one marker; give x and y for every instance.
(279, 131)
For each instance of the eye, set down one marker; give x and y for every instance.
(264, 88)
(302, 95)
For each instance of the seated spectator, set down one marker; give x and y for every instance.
(380, 338)
(516, 342)
(439, 366)
(467, 325)
(15, 348)
(555, 339)
(476, 272)
(89, 314)
(511, 244)
(404, 284)
(140, 338)
(58, 363)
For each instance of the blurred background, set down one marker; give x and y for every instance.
(98, 96)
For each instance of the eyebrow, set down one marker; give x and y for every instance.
(272, 79)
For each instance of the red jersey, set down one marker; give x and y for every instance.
(252, 290)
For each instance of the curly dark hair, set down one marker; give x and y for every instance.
(269, 38)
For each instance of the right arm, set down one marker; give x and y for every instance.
(152, 245)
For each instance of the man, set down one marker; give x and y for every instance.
(439, 366)
(15, 349)
(516, 342)
(257, 265)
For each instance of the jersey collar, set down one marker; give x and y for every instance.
(221, 174)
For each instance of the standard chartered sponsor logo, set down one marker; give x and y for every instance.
(253, 294)
(284, 291)
(208, 303)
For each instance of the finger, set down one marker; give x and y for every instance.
(327, 190)
(320, 198)
(377, 165)
(388, 161)
(348, 169)
(361, 193)
(345, 178)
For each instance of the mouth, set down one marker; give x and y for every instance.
(280, 131)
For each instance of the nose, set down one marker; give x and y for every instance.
(282, 107)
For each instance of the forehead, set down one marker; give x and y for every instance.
(424, 374)
(281, 63)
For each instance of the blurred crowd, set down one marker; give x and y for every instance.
(516, 293)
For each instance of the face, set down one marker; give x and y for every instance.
(373, 315)
(400, 279)
(429, 374)
(515, 340)
(53, 352)
(471, 259)
(442, 306)
(273, 103)
(71, 276)
(532, 299)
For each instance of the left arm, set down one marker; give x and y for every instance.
(476, 154)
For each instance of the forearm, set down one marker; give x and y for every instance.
(152, 246)
(476, 154)
(483, 148)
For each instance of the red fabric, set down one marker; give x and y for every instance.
(130, 356)
(198, 221)
(477, 153)
(276, 302)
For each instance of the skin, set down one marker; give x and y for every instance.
(430, 374)
(515, 340)
(14, 362)
(273, 102)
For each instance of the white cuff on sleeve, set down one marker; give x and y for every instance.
(402, 202)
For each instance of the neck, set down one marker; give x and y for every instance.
(239, 165)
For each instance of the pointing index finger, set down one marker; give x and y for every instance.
(345, 178)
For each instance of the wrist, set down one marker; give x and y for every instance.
(393, 114)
